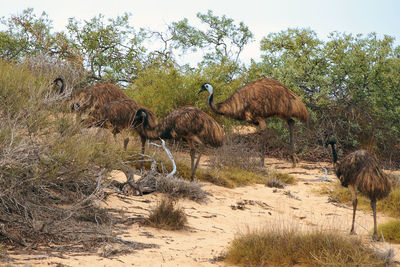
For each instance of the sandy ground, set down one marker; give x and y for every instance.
(212, 226)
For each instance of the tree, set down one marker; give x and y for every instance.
(222, 40)
(27, 35)
(350, 84)
(111, 51)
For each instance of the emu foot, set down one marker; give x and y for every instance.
(262, 161)
(376, 237)
(294, 160)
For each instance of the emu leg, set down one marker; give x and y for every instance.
(126, 141)
(196, 165)
(192, 156)
(373, 206)
(143, 140)
(263, 143)
(355, 201)
(293, 156)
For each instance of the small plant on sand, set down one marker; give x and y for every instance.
(167, 216)
(279, 179)
(291, 247)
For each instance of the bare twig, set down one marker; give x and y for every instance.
(169, 156)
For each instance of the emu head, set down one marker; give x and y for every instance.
(75, 106)
(81, 101)
(60, 83)
(206, 87)
(330, 141)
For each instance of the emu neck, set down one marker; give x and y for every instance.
(334, 154)
(62, 87)
(154, 132)
(214, 106)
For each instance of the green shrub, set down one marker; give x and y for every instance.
(390, 231)
(391, 204)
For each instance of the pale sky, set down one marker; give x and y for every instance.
(261, 16)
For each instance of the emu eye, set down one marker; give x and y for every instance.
(75, 106)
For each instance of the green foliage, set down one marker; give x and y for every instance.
(391, 204)
(349, 83)
(24, 106)
(222, 39)
(28, 35)
(163, 89)
(111, 52)
(390, 231)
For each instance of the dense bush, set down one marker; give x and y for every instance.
(350, 84)
(52, 173)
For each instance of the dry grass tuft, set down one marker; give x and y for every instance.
(291, 247)
(275, 183)
(280, 179)
(178, 188)
(167, 216)
(232, 154)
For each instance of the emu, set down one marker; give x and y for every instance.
(188, 123)
(93, 97)
(119, 115)
(259, 100)
(360, 171)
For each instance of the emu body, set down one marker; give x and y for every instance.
(120, 114)
(188, 123)
(259, 100)
(93, 97)
(360, 171)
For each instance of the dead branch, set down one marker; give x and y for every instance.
(169, 156)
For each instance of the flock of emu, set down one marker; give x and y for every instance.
(109, 107)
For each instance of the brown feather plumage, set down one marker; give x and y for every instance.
(259, 100)
(92, 97)
(262, 99)
(188, 123)
(362, 170)
(120, 114)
